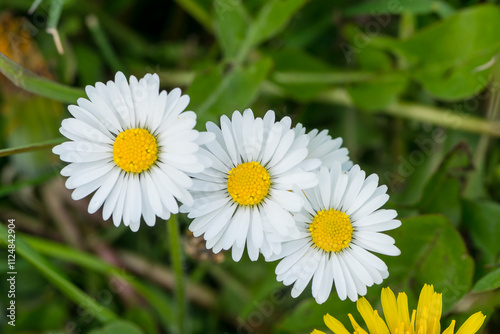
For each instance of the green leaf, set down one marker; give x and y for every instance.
(29, 81)
(272, 18)
(377, 93)
(120, 326)
(490, 281)
(231, 23)
(57, 278)
(374, 60)
(432, 252)
(233, 92)
(442, 192)
(481, 218)
(385, 8)
(451, 72)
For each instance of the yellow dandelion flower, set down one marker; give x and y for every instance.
(424, 320)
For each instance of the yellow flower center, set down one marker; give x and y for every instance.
(248, 183)
(331, 230)
(135, 150)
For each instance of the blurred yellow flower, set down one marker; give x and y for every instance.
(424, 320)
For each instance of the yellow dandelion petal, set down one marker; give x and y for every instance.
(370, 317)
(424, 320)
(424, 302)
(357, 328)
(381, 326)
(390, 307)
(451, 328)
(436, 307)
(403, 312)
(412, 322)
(472, 325)
(334, 325)
(315, 331)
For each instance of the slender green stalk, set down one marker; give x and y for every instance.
(31, 147)
(103, 44)
(418, 112)
(29, 81)
(54, 16)
(338, 77)
(101, 313)
(176, 258)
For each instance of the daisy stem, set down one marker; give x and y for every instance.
(31, 147)
(176, 258)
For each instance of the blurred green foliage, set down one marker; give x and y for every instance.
(411, 86)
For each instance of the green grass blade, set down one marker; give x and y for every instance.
(29, 81)
(57, 279)
(65, 253)
(31, 147)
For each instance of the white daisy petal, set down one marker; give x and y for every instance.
(103, 192)
(254, 167)
(135, 146)
(344, 240)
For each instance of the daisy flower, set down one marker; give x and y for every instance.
(133, 146)
(424, 320)
(339, 224)
(244, 198)
(322, 146)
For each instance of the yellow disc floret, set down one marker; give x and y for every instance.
(135, 150)
(331, 230)
(248, 183)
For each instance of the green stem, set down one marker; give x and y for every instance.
(338, 77)
(428, 114)
(176, 258)
(102, 314)
(29, 81)
(31, 147)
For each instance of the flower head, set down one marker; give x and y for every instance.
(424, 320)
(133, 147)
(244, 199)
(339, 224)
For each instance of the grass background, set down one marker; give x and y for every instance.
(411, 87)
